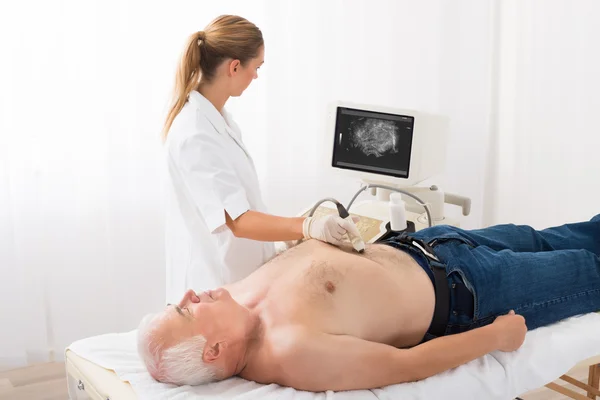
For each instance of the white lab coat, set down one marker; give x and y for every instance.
(210, 171)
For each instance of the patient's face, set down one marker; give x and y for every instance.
(213, 314)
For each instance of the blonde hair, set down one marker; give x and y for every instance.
(226, 37)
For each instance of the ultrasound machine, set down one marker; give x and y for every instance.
(391, 152)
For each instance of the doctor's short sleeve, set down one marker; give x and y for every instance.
(211, 179)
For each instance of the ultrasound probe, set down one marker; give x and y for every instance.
(357, 241)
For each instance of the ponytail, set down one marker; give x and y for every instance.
(187, 78)
(226, 37)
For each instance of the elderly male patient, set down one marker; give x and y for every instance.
(321, 318)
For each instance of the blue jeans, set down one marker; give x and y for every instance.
(545, 275)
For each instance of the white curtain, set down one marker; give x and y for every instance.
(546, 164)
(85, 86)
(84, 90)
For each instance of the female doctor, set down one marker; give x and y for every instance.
(218, 230)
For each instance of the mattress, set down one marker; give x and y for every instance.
(107, 367)
(87, 380)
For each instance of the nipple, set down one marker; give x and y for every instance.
(330, 286)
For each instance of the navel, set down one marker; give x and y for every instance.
(330, 286)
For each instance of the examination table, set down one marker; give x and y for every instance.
(108, 367)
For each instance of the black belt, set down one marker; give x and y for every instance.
(441, 312)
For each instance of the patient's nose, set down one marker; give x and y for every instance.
(189, 297)
(194, 298)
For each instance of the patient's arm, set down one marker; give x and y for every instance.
(319, 361)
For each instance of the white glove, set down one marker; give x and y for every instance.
(330, 229)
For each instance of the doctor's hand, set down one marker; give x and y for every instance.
(330, 229)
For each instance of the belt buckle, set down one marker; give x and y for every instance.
(425, 248)
(419, 244)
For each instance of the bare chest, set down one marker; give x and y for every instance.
(381, 295)
(348, 294)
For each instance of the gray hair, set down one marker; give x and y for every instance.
(180, 364)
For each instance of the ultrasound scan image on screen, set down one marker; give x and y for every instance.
(373, 142)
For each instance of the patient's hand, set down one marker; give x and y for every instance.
(511, 330)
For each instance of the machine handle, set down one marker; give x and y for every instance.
(457, 200)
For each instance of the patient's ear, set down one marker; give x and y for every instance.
(212, 353)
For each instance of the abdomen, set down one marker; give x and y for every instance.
(379, 296)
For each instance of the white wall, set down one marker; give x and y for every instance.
(433, 56)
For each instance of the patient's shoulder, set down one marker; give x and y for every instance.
(270, 357)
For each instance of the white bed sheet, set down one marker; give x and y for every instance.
(547, 353)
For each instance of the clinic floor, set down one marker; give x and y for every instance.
(41, 381)
(48, 382)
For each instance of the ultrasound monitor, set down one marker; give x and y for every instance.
(378, 144)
